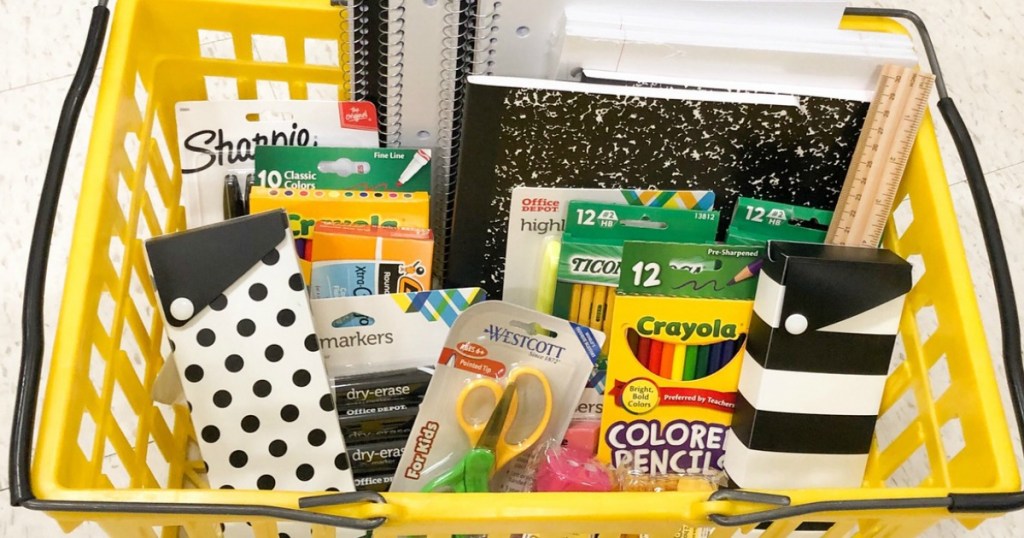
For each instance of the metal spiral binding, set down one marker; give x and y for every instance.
(360, 53)
(352, 56)
(392, 63)
(467, 47)
(484, 41)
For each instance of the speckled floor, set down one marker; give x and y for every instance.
(980, 48)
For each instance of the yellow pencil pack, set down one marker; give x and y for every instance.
(673, 373)
(306, 207)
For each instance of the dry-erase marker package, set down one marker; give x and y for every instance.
(355, 259)
(672, 373)
(218, 138)
(343, 168)
(368, 334)
(307, 207)
(507, 380)
(756, 221)
(537, 218)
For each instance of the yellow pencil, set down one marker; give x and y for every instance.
(678, 361)
(574, 304)
(668, 353)
(608, 311)
(586, 303)
(598, 311)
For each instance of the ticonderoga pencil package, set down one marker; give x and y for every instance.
(756, 221)
(589, 265)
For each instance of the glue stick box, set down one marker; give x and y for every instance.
(673, 367)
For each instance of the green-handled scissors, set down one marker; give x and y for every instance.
(491, 447)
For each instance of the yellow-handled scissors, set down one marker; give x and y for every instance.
(490, 436)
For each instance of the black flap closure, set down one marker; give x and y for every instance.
(854, 279)
(192, 268)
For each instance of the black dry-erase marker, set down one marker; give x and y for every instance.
(381, 427)
(374, 482)
(376, 458)
(406, 386)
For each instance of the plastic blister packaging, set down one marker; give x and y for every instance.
(507, 381)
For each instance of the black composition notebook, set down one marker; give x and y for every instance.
(543, 133)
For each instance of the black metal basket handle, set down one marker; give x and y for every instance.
(33, 346)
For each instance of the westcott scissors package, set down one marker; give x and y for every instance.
(507, 380)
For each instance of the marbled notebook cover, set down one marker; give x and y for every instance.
(515, 136)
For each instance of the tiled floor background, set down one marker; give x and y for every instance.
(979, 45)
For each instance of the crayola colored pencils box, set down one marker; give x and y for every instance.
(673, 371)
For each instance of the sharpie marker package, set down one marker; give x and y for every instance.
(514, 376)
(219, 138)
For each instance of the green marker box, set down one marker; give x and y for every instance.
(704, 271)
(367, 169)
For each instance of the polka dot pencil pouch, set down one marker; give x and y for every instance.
(242, 335)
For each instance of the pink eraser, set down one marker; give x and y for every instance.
(583, 435)
(568, 469)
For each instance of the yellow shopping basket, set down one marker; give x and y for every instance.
(106, 453)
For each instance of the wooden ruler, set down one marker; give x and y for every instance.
(881, 157)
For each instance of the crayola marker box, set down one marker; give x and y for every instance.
(673, 372)
(306, 207)
(383, 260)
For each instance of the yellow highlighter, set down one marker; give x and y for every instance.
(548, 276)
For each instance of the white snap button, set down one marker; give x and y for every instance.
(796, 324)
(182, 308)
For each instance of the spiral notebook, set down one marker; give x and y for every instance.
(410, 58)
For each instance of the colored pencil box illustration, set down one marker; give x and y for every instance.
(817, 357)
(239, 323)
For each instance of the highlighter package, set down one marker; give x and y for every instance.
(589, 264)
(518, 370)
(756, 221)
(353, 259)
(673, 373)
(537, 218)
(307, 207)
